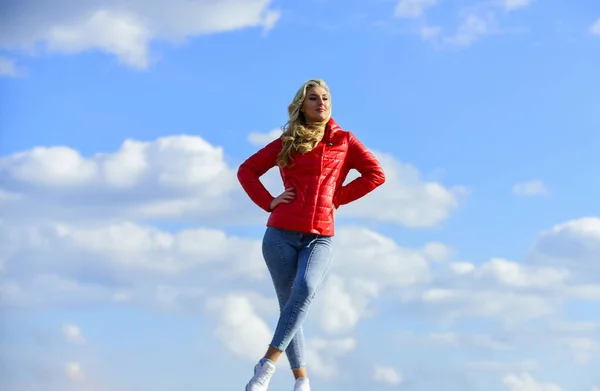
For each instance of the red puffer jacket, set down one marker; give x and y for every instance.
(317, 178)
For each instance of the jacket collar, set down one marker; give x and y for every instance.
(332, 127)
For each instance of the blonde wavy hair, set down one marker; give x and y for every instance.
(298, 135)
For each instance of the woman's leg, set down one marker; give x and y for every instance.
(280, 250)
(314, 259)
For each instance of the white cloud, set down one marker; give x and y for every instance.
(74, 372)
(186, 178)
(582, 348)
(574, 244)
(323, 353)
(595, 28)
(412, 8)
(510, 307)
(503, 366)
(512, 5)
(531, 188)
(139, 263)
(462, 267)
(416, 202)
(342, 303)
(387, 375)
(72, 333)
(118, 258)
(513, 274)
(446, 339)
(8, 67)
(244, 332)
(374, 257)
(503, 289)
(450, 339)
(574, 327)
(178, 177)
(406, 198)
(472, 28)
(372, 264)
(476, 23)
(49, 166)
(240, 328)
(430, 32)
(120, 252)
(525, 382)
(438, 252)
(262, 139)
(121, 34)
(584, 291)
(126, 29)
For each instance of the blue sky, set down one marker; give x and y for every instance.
(128, 248)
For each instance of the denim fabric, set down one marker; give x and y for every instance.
(297, 263)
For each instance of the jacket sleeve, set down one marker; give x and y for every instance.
(253, 168)
(372, 175)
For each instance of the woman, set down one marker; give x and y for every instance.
(314, 156)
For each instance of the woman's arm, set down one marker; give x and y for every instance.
(372, 175)
(253, 168)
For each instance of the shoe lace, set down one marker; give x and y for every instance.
(263, 376)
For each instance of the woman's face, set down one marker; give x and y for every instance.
(316, 104)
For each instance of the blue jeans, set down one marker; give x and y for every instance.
(297, 263)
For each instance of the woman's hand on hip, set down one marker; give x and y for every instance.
(286, 197)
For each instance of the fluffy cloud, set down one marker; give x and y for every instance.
(323, 354)
(342, 303)
(186, 178)
(595, 28)
(367, 265)
(413, 8)
(120, 263)
(127, 262)
(72, 333)
(525, 382)
(450, 339)
(511, 307)
(244, 332)
(531, 188)
(8, 67)
(499, 289)
(574, 244)
(475, 23)
(560, 266)
(428, 33)
(261, 139)
(512, 5)
(124, 29)
(472, 28)
(170, 178)
(516, 275)
(74, 372)
(77, 230)
(240, 328)
(503, 366)
(416, 203)
(387, 375)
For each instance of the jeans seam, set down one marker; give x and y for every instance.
(294, 309)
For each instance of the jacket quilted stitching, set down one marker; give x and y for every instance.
(317, 178)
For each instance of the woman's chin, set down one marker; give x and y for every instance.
(320, 117)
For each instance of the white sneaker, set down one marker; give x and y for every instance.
(263, 371)
(302, 384)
